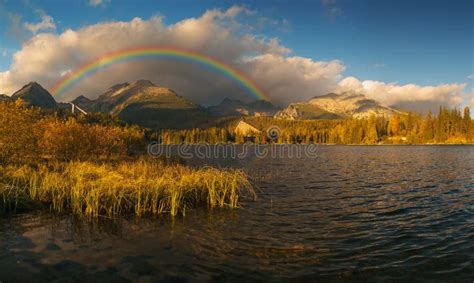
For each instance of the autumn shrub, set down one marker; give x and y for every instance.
(71, 140)
(19, 133)
(27, 135)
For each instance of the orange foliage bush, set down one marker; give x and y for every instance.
(71, 140)
(27, 135)
(18, 132)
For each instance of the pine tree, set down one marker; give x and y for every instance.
(427, 132)
(467, 124)
(371, 136)
(394, 126)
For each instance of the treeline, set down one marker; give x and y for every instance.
(448, 127)
(28, 135)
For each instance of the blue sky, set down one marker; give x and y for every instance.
(420, 42)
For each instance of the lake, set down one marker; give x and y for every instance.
(350, 213)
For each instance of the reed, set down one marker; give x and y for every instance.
(142, 187)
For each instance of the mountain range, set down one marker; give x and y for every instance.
(232, 107)
(143, 103)
(148, 105)
(336, 106)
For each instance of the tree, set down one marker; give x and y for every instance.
(394, 126)
(427, 129)
(371, 134)
(467, 124)
(18, 132)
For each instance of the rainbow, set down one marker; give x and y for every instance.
(138, 53)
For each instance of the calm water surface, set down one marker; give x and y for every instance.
(355, 213)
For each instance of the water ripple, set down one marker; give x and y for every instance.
(353, 214)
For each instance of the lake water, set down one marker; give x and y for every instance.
(354, 213)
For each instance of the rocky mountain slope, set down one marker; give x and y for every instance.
(33, 94)
(231, 107)
(336, 106)
(4, 97)
(143, 103)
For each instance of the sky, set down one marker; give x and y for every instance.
(411, 54)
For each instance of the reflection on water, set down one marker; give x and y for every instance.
(354, 213)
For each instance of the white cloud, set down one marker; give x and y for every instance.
(285, 77)
(409, 96)
(216, 33)
(470, 77)
(291, 79)
(95, 3)
(47, 23)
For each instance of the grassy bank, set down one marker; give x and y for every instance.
(124, 188)
(90, 166)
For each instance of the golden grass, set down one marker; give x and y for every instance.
(140, 187)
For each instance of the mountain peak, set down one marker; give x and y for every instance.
(30, 86)
(336, 105)
(143, 83)
(81, 97)
(82, 102)
(4, 97)
(328, 95)
(230, 100)
(144, 103)
(33, 84)
(117, 87)
(342, 95)
(33, 94)
(235, 107)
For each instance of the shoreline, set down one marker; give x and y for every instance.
(141, 188)
(329, 144)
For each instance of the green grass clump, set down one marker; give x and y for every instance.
(143, 187)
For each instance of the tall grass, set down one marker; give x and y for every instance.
(141, 187)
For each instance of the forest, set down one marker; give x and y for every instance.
(450, 126)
